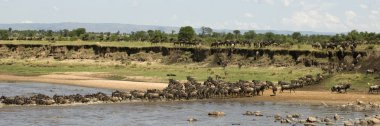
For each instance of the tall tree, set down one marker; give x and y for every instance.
(353, 36)
(237, 34)
(269, 36)
(141, 36)
(206, 31)
(229, 36)
(186, 33)
(296, 36)
(78, 32)
(4, 34)
(250, 35)
(49, 33)
(337, 38)
(65, 32)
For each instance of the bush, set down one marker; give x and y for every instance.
(134, 66)
(370, 47)
(219, 59)
(145, 57)
(179, 57)
(126, 62)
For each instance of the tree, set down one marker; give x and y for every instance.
(237, 34)
(353, 36)
(78, 32)
(49, 33)
(269, 36)
(296, 36)
(337, 38)
(216, 35)
(140, 36)
(4, 34)
(250, 35)
(65, 33)
(229, 36)
(186, 33)
(151, 34)
(206, 31)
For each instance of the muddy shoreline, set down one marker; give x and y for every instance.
(314, 97)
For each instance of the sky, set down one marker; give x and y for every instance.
(292, 15)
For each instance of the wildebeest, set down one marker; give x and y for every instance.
(260, 88)
(170, 75)
(287, 86)
(374, 88)
(371, 71)
(340, 88)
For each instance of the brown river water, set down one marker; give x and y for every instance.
(173, 113)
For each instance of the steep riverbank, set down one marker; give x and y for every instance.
(282, 57)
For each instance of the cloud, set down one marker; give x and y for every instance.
(56, 8)
(248, 25)
(26, 21)
(375, 12)
(364, 6)
(270, 2)
(135, 3)
(248, 15)
(287, 2)
(350, 15)
(174, 17)
(314, 19)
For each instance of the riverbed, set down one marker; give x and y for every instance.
(153, 113)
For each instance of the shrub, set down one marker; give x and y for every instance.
(370, 47)
(179, 57)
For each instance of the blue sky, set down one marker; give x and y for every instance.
(295, 15)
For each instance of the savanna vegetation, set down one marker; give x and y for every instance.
(187, 33)
(153, 66)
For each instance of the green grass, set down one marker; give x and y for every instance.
(159, 71)
(359, 81)
(112, 44)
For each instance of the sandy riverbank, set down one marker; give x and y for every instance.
(89, 80)
(85, 80)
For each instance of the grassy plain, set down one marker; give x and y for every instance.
(144, 71)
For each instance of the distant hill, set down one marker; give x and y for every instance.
(123, 28)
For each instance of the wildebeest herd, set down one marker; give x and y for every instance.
(187, 43)
(332, 45)
(211, 88)
(229, 43)
(346, 45)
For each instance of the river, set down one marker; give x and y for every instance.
(152, 113)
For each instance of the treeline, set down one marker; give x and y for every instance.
(207, 35)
